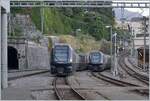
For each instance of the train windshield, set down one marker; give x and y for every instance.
(95, 57)
(61, 53)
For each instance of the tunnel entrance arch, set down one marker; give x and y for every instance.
(12, 58)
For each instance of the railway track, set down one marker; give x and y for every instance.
(121, 83)
(131, 72)
(134, 65)
(63, 93)
(27, 75)
(112, 80)
(137, 67)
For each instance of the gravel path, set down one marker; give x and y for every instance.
(90, 87)
(100, 90)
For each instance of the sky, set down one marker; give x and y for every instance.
(144, 11)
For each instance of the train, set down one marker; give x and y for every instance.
(98, 61)
(83, 62)
(64, 59)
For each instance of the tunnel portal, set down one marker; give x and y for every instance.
(12, 58)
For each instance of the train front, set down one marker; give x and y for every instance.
(61, 62)
(95, 61)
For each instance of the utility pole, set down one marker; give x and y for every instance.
(42, 18)
(122, 23)
(149, 36)
(144, 24)
(116, 61)
(110, 46)
(9, 26)
(0, 55)
(133, 43)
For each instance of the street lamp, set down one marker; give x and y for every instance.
(115, 71)
(110, 45)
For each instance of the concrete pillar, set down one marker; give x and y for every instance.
(0, 54)
(149, 37)
(4, 50)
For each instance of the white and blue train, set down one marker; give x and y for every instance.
(98, 61)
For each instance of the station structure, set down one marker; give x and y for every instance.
(5, 10)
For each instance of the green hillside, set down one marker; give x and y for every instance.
(60, 21)
(83, 26)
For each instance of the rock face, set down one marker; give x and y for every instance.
(37, 56)
(30, 55)
(23, 25)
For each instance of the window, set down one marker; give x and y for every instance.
(95, 57)
(61, 53)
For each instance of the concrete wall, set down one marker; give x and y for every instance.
(38, 56)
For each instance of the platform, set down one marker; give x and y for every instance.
(16, 94)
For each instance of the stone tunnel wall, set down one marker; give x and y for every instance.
(30, 55)
(37, 56)
(22, 54)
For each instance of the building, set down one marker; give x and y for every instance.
(139, 28)
(122, 25)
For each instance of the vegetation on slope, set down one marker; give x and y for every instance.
(85, 43)
(83, 25)
(60, 21)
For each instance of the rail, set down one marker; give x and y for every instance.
(131, 72)
(60, 92)
(113, 80)
(121, 83)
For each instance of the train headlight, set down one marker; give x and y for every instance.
(70, 60)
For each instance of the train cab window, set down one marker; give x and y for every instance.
(95, 57)
(61, 53)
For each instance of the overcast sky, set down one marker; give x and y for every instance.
(144, 12)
